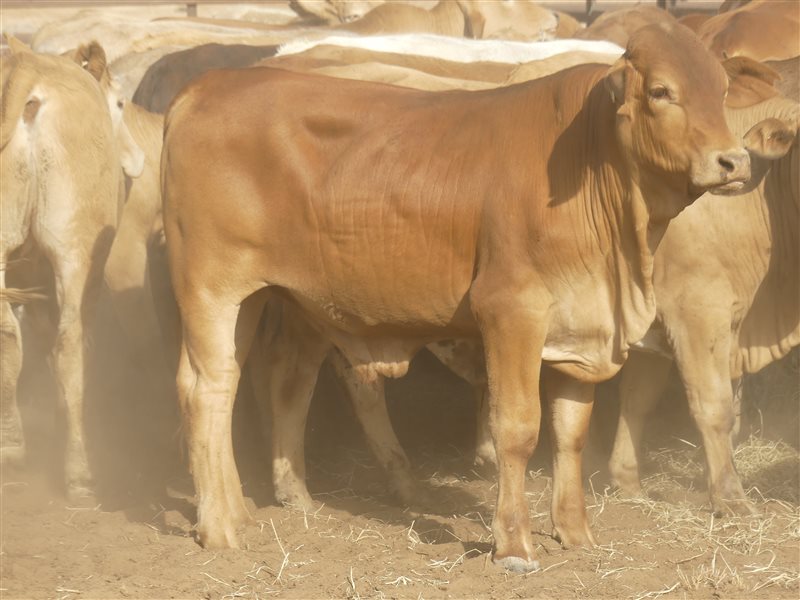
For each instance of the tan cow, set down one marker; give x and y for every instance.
(61, 150)
(761, 29)
(618, 25)
(526, 216)
(127, 271)
(489, 18)
(733, 312)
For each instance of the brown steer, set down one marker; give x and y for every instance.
(526, 215)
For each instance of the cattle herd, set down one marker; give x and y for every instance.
(540, 203)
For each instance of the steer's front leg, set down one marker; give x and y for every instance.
(513, 336)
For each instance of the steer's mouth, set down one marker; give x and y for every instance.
(728, 189)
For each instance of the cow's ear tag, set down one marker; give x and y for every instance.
(615, 81)
(92, 58)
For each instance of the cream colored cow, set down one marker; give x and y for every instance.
(62, 145)
(726, 281)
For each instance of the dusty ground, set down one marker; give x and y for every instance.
(134, 540)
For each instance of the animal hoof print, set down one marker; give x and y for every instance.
(515, 564)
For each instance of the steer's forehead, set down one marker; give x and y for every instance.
(671, 50)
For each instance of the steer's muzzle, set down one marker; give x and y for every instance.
(735, 165)
(723, 171)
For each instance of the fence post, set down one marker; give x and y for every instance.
(191, 9)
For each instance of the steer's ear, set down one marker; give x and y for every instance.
(615, 80)
(16, 46)
(771, 139)
(751, 82)
(92, 57)
(744, 65)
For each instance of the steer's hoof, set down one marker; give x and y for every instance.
(486, 458)
(293, 494)
(515, 564)
(578, 537)
(738, 508)
(414, 496)
(626, 481)
(217, 539)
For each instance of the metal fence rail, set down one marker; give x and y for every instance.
(576, 7)
(191, 5)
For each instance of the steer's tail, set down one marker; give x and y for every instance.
(22, 295)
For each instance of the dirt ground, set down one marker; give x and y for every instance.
(134, 539)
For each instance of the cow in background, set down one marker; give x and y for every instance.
(731, 313)
(63, 142)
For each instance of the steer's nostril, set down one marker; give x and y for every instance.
(727, 164)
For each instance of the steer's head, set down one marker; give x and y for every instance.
(92, 58)
(669, 91)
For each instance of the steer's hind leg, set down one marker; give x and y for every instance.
(212, 351)
(369, 404)
(284, 377)
(570, 409)
(76, 287)
(642, 382)
(12, 441)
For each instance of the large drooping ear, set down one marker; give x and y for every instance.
(744, 65)
(16, 45)
(91, 57)
(751, 82)
(770, 139)
(615, 80)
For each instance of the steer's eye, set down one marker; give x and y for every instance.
(120, 104)
(660, 92)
